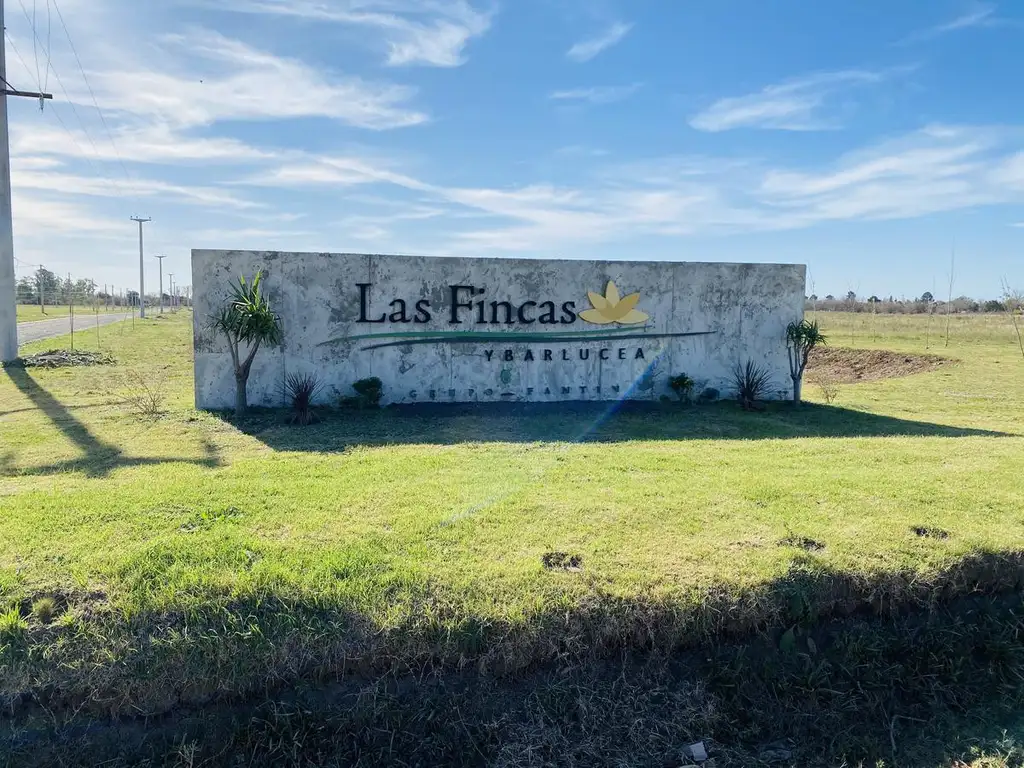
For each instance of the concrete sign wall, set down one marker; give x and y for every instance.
(482, 330)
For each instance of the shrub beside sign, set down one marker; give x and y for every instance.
(488, 330)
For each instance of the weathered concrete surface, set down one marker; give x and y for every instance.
(739, 310)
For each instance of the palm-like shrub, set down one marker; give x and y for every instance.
(301, 388)
(248, 320)
(753, 383)
(801, 338)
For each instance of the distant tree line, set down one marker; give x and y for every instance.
(54, 290)
(922, 305)
(46, 288)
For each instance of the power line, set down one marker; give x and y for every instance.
(49, 48)
(88, 85)
(35, 48)
(35, 41)
(81, 122)
(64, 90)
(71, 135)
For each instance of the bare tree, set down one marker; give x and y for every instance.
(1013, 302)
(949, 301)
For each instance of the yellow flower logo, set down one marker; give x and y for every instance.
(612, 309)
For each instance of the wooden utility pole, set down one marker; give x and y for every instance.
(8, 299)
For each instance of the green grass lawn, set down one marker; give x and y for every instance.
(28, 313)
(189, 557)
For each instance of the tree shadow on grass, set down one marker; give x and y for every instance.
(581, 422)
(98, 458)
(822, 666)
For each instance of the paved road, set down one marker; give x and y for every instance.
(60, 326)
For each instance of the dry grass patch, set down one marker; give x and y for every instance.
(848, 366)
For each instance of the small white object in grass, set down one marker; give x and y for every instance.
(697, 752)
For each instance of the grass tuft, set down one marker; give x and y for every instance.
(44, 609)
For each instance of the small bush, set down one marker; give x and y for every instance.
(682, 385)
(710, 395)
(301, 389)
(829, 386)
(368, 394)
(753, 383)
(144, 398)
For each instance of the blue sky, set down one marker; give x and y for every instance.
(867, 139)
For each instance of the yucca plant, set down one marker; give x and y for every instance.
(247, 319)
(301, 388)
(801, 339)
(753, 383)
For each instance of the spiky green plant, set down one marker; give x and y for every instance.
(301, 388)
(12, 625)
(247, 319)
(801, 339)
(753, 383)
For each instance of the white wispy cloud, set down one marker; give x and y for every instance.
(170, 102)
(587, 49)
(607, 94)
(110, 186)
(151, 143)
(173, 104)
(39, 218)
(936, 169)
(303, 170)
(433, 33)
(239, 82)
(929, 171)
(794, 105)
(1011, 173)
(579, 150)
(980, 15)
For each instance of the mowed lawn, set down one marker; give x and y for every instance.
(189, 556)
(29, 313)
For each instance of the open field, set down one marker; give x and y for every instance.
(29, 313)
(191, 560)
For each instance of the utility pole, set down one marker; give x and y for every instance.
(142, 269)
(161, 257)
(171, 276)
(8, 298)
(71, 310)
